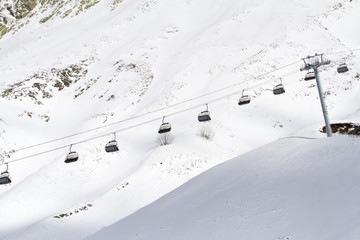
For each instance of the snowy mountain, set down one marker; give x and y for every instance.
(73, 73)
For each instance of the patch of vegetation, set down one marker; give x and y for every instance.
(89, 84)
(3, 30)
(24, 7)
(278, 124)
(21, 9)
(86, 4)
(112, 97)
(121, 66)
(20, 89)
(144, 72)
(76, 211)
(6, 29)
(64, 8)
(59, 85)
(13, 14)
(45, 117)
(4, 155)
(106, 116)
(123, 185)
(66, 13)
(116, 3)
(165, 139)
(206, 132)
(45, 83)
(31, 4)
(45, 19)
(43, 2)
(7, 92)
(89, 4)
(344, 128)
(28, 114)
(11, 91)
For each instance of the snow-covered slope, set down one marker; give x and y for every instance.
(294, 188)
(75, 71)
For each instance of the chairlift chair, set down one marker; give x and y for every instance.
(244, 99)
(309, 76)
(342, 68)
(279, 89)
(72, 156)
(5, 177)
(112, 146)
(204, 115)
(164, 127)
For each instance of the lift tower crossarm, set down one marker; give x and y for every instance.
(315, 61)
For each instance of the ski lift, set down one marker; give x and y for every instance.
(164, 127)
(72, 156)
(342, 68)
(244, 99)
(112, 146)
(204, 115)
(309, 76)
(5, 176)
(279, 89)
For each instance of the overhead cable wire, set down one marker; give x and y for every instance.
(150, 112)
(139, 124)
(157, 110)
(344, 51)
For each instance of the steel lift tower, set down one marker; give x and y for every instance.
(313, 62)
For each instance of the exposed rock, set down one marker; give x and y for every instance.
(14, 14)
(44, 84)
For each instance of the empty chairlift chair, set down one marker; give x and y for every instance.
(342, 68)
(5, 176)
(244, 99)
(164, 127)
(279, 89)
(204, 115)
(112, 146)
(309, 76)
(72, 156)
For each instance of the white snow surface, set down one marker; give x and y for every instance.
(294, 188)
(142, 60)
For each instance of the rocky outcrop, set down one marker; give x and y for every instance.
(12, 12)
(18, 9)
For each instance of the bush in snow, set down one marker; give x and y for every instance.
(206, 132)
(165, 139)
